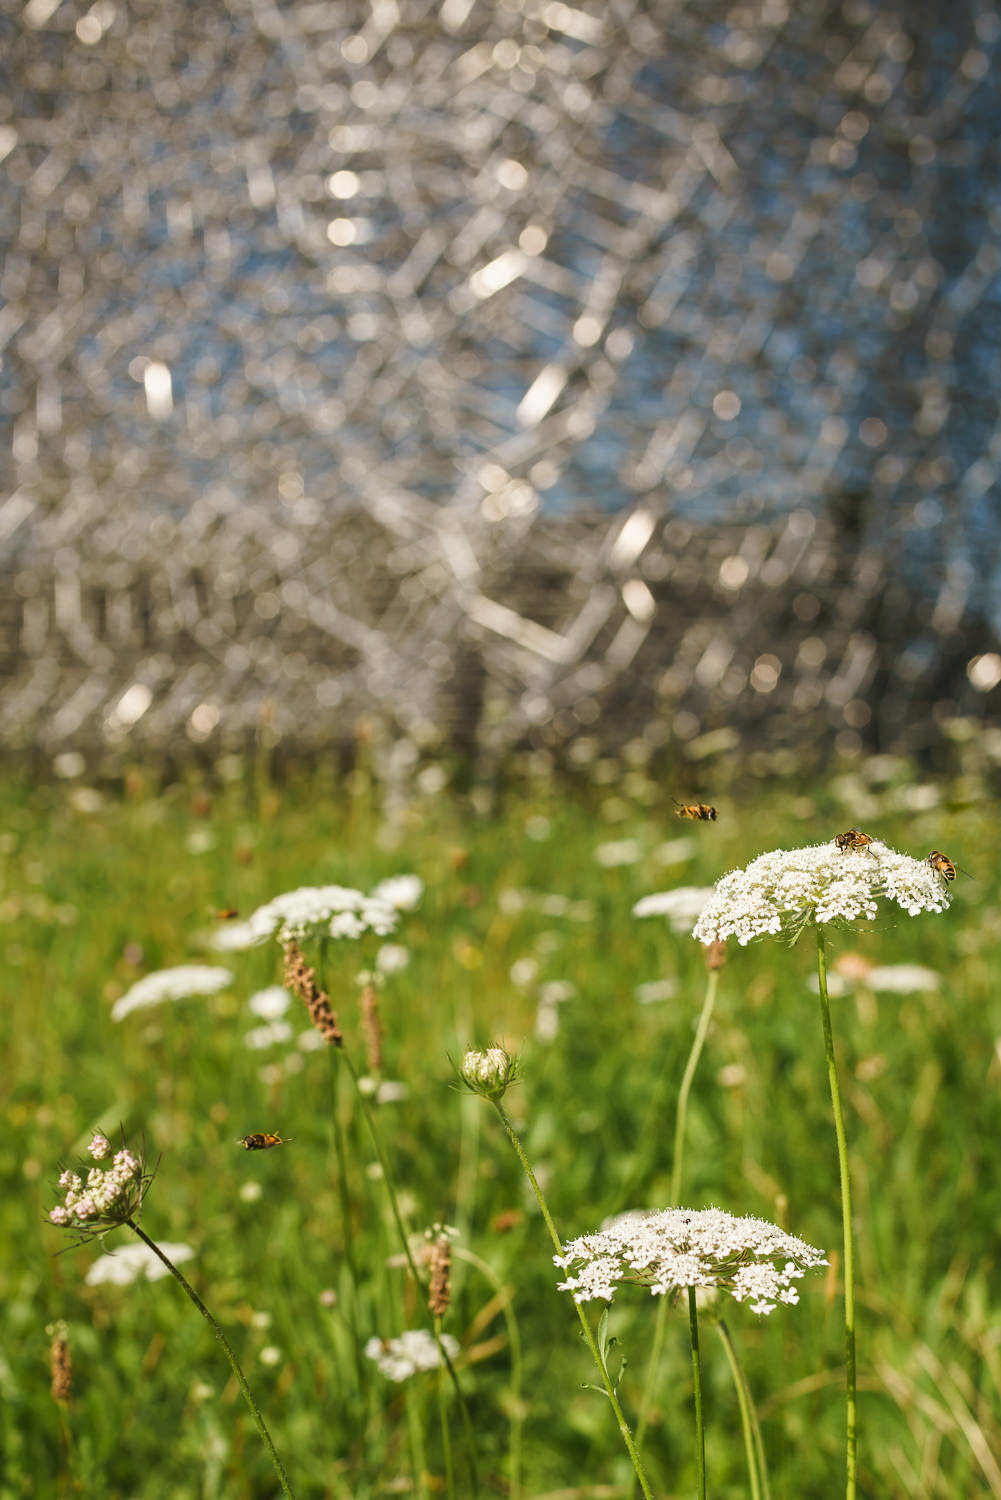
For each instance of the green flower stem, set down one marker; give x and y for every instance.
(446, 1441)
(504, 1295)
(660, 1324)
(846, 1219)
(627, 1436)
(245, 1388)
(388, 1183)
(754, 1448)
(340, 1151)
(701, 1032)
(415, 1430)
(700, 1431)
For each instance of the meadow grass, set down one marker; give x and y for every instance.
(296, 1250)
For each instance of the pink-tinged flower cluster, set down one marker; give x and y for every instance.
(752, 1260)
(109, 1195)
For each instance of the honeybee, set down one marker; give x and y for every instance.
(853, 839)
(943, 865)
(697, 810)
(262, 1141)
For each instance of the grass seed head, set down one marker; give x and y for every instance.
(299, 979)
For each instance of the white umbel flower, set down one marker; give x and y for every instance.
(179, 983)
(680, 906)
(414, 1350)
(781, 891)
(321, 911)
(753, 1260)
(135, 1263)
(403, 892)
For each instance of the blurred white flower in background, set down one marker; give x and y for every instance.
(400, 891)
(680, 906)
(618, 852)
(392, 958)
(180, 983)
(135, 1263)
(414, 1350)
(270, 1004)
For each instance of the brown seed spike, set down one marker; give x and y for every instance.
(440, 1292)
(299, 980)
(62, 1368)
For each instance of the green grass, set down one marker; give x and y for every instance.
(93, 896)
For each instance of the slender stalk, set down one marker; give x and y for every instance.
(754, 1448)
(592, 1344)
(846, 1220)
(660, 1324)
(700, 1431)
(245, 1388)
(701, 1032)
(390, 1186)
(514, 1341)
(415, 1430)
(446, 1442)
(344, 1198)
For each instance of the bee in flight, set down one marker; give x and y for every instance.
(226, 914)
(853, 839)
(696, 810)
(943, 865)
(262, 1141)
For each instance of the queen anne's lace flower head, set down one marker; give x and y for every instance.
(320, 911)
(754, 1261)
(680, 906)
(781, 891)
(179, 983)
(136, 1263)
(414, 1350)
(111, 1195)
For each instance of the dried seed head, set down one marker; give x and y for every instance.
(62, 1365)
(371, 1026)
(299, 980)
(441, 1268)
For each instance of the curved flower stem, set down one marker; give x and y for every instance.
(390, 1186)
(592, 1344)
(681, 1115)
(700, 1431)
(504, 1296)
(340, 1151)
(754, 1448)
(245, 1388)
(846, 1219)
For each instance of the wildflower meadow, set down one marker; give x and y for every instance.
(531, 1141)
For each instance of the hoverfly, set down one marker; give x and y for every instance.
(943, 865)
(696, 810)
(853, 839)
(262, 1141)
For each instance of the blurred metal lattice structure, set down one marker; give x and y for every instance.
(501, 369)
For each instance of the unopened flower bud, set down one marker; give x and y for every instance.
(488, 1073)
